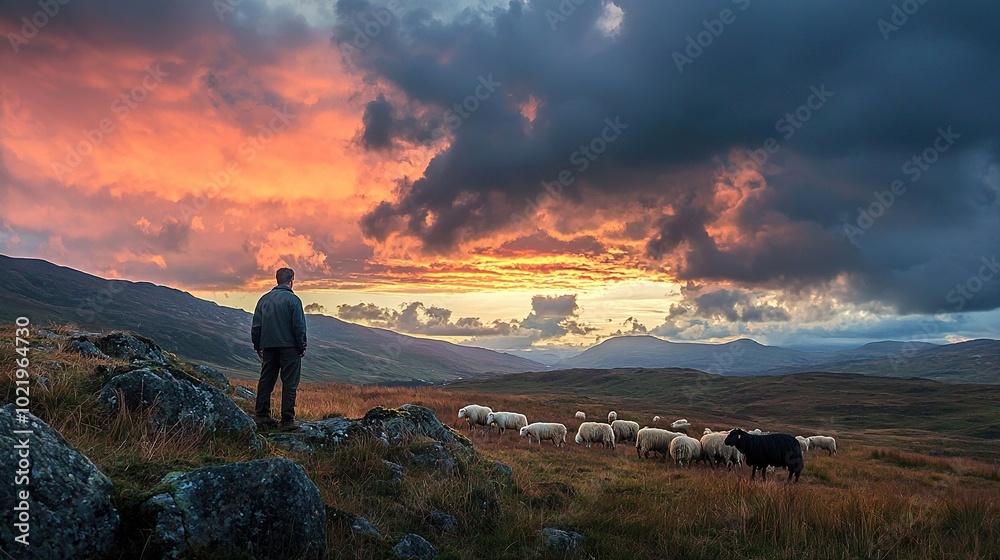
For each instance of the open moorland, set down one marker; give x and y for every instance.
(916, 475)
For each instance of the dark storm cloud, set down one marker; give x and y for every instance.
(382, 129)
(833, 100)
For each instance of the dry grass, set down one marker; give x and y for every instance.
(871, 500)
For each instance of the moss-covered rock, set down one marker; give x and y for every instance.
(267, 508)
(70, 505)
(396, 426)
(175, 401)
(132, 347)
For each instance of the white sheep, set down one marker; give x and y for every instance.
(625, 430)
(803, 443)
(715, 451)
(656, 419)
(612, 416)
(507, 420)
(596, 432)
(580, 415)
(681, 425)
(654, 440)
(474, 414)
(707, 431)
(757, 432)
(545, 430)
(823, 442)
(684, 450)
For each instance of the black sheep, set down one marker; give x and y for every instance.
(780, 450)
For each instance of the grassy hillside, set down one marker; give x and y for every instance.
(915, 486)
(203, 331)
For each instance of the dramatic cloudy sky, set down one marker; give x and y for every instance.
(535, 173)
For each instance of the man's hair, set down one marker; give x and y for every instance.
(284, 275)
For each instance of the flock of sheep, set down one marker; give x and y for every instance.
(731, 448)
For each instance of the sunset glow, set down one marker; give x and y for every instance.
(474, 161)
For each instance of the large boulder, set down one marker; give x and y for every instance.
(319, 434)
(397, 426)
(124, 346)
(69, 512)
(175, 401)
(267, 508)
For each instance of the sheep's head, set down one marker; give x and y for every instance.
(490, 418)
(735, 436)
(462, 413)
(524, 431)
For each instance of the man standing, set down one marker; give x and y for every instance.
(278, 332)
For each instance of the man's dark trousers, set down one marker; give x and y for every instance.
(288, 362)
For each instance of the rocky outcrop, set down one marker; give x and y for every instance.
(213, 376)
(397, 426)
(414, 547)
(267, 509)
(175, 402)
(69, 512)
(122, 346)
(392, 426)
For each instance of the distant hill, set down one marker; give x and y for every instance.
(739, 357)
(975, 361)
(204, 331)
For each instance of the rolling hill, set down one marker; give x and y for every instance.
(204, 331)
(976, 361)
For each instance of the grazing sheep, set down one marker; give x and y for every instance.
(756, 432)
(580, 415)
(545, 430)
(707, 431)
(474, 414)
(612, 416)
(596, 432)
(823, 442)
(682, 423)
(656, 419)
(684, 450)
(715, 451)
(505, 420)
(803, 443)
(780, 450)
(654, 439)
(625, 430)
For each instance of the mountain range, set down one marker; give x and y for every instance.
(970, 361)
(201, 330)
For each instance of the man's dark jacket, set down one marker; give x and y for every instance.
(279, 321)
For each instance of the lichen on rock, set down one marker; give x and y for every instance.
(266, 508)
(70, 506)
